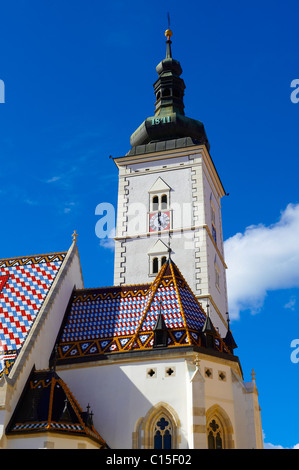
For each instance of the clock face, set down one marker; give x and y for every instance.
(159, 221)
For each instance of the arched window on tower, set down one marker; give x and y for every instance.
(155, 265)
(163, 260)
(155, 203)
(164, 204)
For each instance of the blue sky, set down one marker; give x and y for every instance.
(78, 81)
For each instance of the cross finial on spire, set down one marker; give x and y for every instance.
(75, 236)
(197, 361)
(253, 375)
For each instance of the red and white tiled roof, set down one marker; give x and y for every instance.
(24, 285)
(123, 318)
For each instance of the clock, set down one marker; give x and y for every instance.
(159, 221)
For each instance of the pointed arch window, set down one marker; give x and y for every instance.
(162, 433)
(215, 435)
(159, 429)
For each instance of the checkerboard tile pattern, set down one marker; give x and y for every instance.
(166, 300)
(27, 283)
(195, 317)
(104, 317)
(122, 318)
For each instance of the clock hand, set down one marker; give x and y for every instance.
(159, 219)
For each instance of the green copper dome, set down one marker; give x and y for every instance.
(169, 121)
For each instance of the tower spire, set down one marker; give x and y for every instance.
(169, 121)
(168, 34)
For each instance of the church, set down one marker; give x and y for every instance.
(148, 363)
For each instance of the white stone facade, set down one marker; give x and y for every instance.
(126, 399)
(194, 205)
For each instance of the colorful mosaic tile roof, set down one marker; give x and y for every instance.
(24, 285)
(48, 405)
(123, 318)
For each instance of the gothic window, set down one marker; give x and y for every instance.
(159, 429)
(215, 435)
(163, 433)
(220, 434)
(163, 260)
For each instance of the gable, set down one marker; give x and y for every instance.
(158, 248)
(24, 285)
(159, 186)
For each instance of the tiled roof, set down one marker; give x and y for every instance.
(48, 405)
(24, 285)
(123, 318)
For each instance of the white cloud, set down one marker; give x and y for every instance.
(262, 259)
(268, 445)
(108, 242)
(291, 303)
(53, 179)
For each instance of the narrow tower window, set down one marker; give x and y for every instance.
(155, 203)
(155, 265)
(164, 201)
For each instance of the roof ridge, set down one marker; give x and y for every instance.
(113, 287)
(155, 286)
(180, 303)
(34, 256)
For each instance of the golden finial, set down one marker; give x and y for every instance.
(168, 33)
(253, 375)
(75, 236)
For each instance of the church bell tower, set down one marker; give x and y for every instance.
(169, 199)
